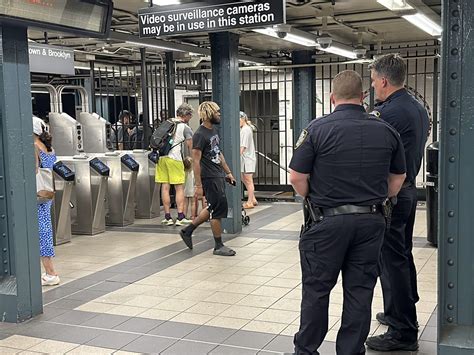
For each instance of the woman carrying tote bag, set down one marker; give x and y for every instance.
(45, 159)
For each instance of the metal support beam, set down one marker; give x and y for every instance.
(145, 104)
(92, 87)
(225, 91)
(170, 82)
(456, 244)
(20, 286)
(172, 46)
(304, 92)
(434, 128)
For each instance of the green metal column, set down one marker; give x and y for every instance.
(170, 82)
(225, 91)
(304, 92)
(20, 287)
(147, 130)
(456, 232)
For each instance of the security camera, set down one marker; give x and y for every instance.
(324, 41)
(360, 51)
(282, 30)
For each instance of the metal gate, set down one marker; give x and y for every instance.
(266, 98)
(421, 81)
(266, 95)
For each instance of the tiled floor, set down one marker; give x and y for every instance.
(139, 290)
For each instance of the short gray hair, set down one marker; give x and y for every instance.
(184, 110)
(392, 67)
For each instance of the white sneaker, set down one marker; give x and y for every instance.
(50, 280)
(182, 222)
(167, 222)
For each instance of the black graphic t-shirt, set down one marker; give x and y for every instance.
(207, 141)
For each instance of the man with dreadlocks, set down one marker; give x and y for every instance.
(210, 173)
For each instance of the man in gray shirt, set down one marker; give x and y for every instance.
(170, 168)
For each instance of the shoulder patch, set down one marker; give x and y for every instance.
(302, 138)
(375, 113)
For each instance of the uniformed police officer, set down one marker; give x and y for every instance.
(345, 164)
(398, 279)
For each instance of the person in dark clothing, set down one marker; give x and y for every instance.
(137, 135)
(398, 278)
(210, 174)
(345, 165)
(121, 131)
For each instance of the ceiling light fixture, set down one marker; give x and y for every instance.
(424, 23)
(307, 42)
(148, 45)
(395, 5)
(164, 2)
(343, 52)
(303, 41)
(419, 19)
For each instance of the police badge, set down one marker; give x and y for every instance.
(301, 139)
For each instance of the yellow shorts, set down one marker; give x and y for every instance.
(170, 171)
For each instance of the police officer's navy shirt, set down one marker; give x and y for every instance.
(408, 116)
(349, 156)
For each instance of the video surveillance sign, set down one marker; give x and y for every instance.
(157, 22)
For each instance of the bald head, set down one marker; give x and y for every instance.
(347, 85)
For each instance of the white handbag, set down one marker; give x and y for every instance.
(44, 185)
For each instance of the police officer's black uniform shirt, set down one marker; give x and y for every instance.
(349, 156)
(408, 116)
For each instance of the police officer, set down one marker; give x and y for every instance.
(398, 279)
(345, 164)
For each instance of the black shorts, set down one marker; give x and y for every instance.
(214, 190)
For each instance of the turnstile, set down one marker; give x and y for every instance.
(121, 188)
(67, 134)
(61, 208)
(96, 133)
(148, 191)
(88, 195)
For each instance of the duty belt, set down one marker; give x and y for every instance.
(350, 209)
(407, 184)
(314, 214)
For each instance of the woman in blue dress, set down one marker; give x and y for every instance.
(45, 158)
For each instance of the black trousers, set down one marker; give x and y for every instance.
(398, 276)
(347, 243)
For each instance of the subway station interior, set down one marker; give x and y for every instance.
(128, 283)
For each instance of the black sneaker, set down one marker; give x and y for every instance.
(388, 342)
(186, 236)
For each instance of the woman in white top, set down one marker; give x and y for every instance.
(45, 158)
(248, 159)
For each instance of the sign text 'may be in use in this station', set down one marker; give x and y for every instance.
(156, 22)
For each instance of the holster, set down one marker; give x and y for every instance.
(388, 206)
(311, 215)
